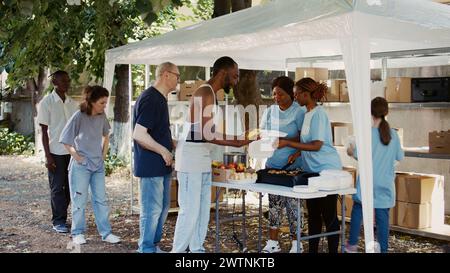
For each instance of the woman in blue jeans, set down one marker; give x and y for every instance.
(386, 149)
(86, 138)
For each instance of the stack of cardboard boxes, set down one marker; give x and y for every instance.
(317, 74)
(348, 198)
(439, 142)
(174, 194)
(420, 201)
(337, 89)
(398, 89)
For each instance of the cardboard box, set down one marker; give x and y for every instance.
(188, 88)
(437, 198)
(413, 188)
(343, 92)
(393, 214)
(412, 215)
(221, 175)
(398, 89)
(439, 142)
(333, 90)
(317, 74)
(213, 194)
(340, 132)
(348, 206)
(353, 171)
(174, 194)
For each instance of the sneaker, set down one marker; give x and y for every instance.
(61, 228)
(294, 247)
(79, 239)
(272, 246)
(351, 248)
(159, 250)
(112, 239)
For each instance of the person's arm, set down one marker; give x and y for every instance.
(43, 117)
(207, 101)
(105, 146)
(314, 145)
(294, 156)
(351, 151)
(74, 153)
(141, 136)
(50, 162)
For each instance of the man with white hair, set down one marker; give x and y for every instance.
(153, 155)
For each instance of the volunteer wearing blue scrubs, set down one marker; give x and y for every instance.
(318, 154)
(386, 149)
(285, 116)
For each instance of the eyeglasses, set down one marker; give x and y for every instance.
(176, 74)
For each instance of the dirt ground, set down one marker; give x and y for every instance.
(25, 219)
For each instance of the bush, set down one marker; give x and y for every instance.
(112, 163)
(12, 143)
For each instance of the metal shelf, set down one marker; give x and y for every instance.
(400, 105)
(186, 102)
(422, 152)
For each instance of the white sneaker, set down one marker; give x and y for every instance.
(272, 246)
(112, 239)
(79, 239)
(159, 250)
(294, 247)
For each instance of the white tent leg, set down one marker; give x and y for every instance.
(130, 99)
(147, 76)
(356, 55)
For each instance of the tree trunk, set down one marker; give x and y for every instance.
(121, 127)
(247, 91)
(221, 7)
(240, 4)
(36, 90)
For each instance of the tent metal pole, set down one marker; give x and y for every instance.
(130, 99)
(384, 69)
(379, 55)
(286, 71)
(207, 73)
(147, 76)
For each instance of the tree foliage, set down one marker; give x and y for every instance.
(60, 35)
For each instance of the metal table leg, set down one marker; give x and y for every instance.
(244, 229)
(343, 224)
(217, 221)
(299, 220)
(260, 223)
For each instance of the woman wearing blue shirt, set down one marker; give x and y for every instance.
(386, 149)
(285, 116)
(318, 154)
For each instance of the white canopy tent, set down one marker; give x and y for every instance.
(282, 34)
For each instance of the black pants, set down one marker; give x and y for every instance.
(323, 209)
(59, 189)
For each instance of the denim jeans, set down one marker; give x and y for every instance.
(194, 198)
(80, 179)
(59, 188)
(155, 204)
(382, 224)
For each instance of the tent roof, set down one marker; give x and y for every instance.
(265, 36)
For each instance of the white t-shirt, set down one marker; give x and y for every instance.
(55, 113)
